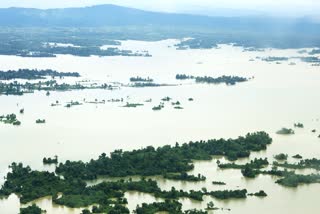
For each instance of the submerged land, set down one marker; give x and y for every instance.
(113, 97)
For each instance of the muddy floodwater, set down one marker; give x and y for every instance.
(278, 96)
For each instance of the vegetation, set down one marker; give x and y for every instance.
(140, 79)
(297, 156)
(50, 160)
(274, 59)
(40, 121)
(170, 206)
(298, 125)
(261, 193)
(255, 164)
(285, 131)
(10, 119)
(166, 159)
(293, 180)
(228, 80)
(281, 156)
(166, 99)
(72, 103)
(302, 164)
(158, 108)
(185, 177)
(72, 192)
(33, 209)
(15, 88)
(218, 183)
(33, 74)
(132, 105)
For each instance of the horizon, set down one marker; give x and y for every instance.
(296, 9)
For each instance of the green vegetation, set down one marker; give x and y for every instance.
(72, 192)
(281, 157)
(298, 125)
(72, 103)
(166, 99)
(228, 80)
(132, 105)
(302, 164)
(50, 160)
(190, 99)
(158, 108)
(21, 111)
(15, 88)
(293, 180)
(274, 59)
(140, 79)
(297, 156)
(33, 74)
(185, 177)
(218, 183)
(261, 193)
(166, 159)
(210, 206)
(285, 131)
(255, 164)
(169, 206)
(176, 103)
(178, 107)
(33, 209)
(40, 121)
(184, 77)
(226, 194)
(10, 119)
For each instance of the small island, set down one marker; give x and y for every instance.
(285, 131)
(10, 119)
(228, 80)
(50, 160)
(140, 79)
(39, 121)
(184, 177)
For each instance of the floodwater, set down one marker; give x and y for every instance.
(278, 96)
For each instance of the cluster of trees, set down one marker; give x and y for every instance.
(32, 209)
(15, 88)
(302, 164)
(218, 183)
(281, 157)
(73, 192)
(261, 193)
(285, 131)
(40, 121)
(32, 74)
(228, 80)
(132, 105)
(140, 79)
(185, 177)
(169, 206)
(195, 43)
(255, 164)
(50, 160)
(10, 119)
(298, 125)
(275, 58)
(165, 159)
(293, 180)
(147, 84)
(158, 107)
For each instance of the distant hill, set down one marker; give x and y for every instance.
(112, 15)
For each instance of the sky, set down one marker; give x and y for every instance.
(277, 7)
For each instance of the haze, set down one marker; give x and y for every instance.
(206, 7)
